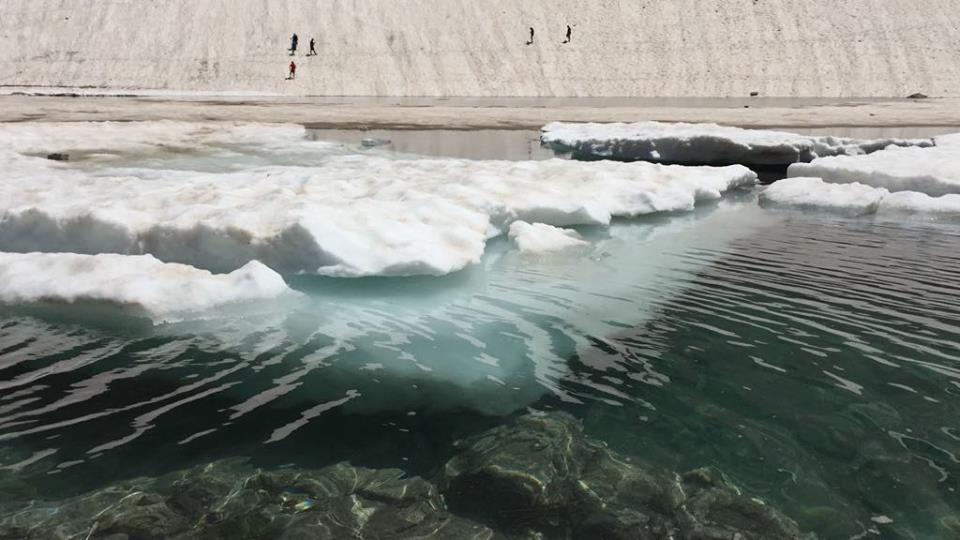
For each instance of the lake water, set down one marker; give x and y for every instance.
(813, 359)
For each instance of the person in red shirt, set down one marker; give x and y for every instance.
(293, 71)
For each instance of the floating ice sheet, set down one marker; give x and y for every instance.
(856, 199)
(934, 171)
(347, 216)
(698, 144)
(911, 202)
(140, 284)
(804, 192)
(540, 238)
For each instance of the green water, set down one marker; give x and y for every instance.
(812, 359)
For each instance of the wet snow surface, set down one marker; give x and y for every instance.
(934, 171)
(138, 283)
(219, 196)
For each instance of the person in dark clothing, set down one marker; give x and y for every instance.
(293, 71)
(313, 50)
(293, 44)
(569, 31)
(531, 37)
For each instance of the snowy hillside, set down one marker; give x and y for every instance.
(444, 47)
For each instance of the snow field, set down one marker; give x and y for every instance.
(135, 198)
(352, 216)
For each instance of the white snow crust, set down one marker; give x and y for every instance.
(856, 199)
(911, 202)
(143, 284)
(934, 171)
(39, 138)
(952, 139)
(805, 192)
(348, 216)
(704, 143)
(542, 238)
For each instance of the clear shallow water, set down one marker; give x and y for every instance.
(816, 363)
(812, 359)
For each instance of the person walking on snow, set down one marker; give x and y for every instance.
(313, 51)
(293, 44)
(569, 31)
(530, 42)
(293, 71)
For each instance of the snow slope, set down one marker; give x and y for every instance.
(356, 215)
(142, 284)
(703, 144)
(456, 48)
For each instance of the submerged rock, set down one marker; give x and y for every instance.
(542, 474)
(537, 478)
(228, 500)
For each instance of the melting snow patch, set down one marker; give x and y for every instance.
(911, 202)
(542, 238)
(856, 199)
(85, 137)
(952, 139)
(347, 216)
(704, 143)
(800, 192)
(142, 284)
(934, 171)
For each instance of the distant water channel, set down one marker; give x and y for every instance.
(814, 360)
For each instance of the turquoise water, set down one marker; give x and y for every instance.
(812, 359)
(816, 363)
